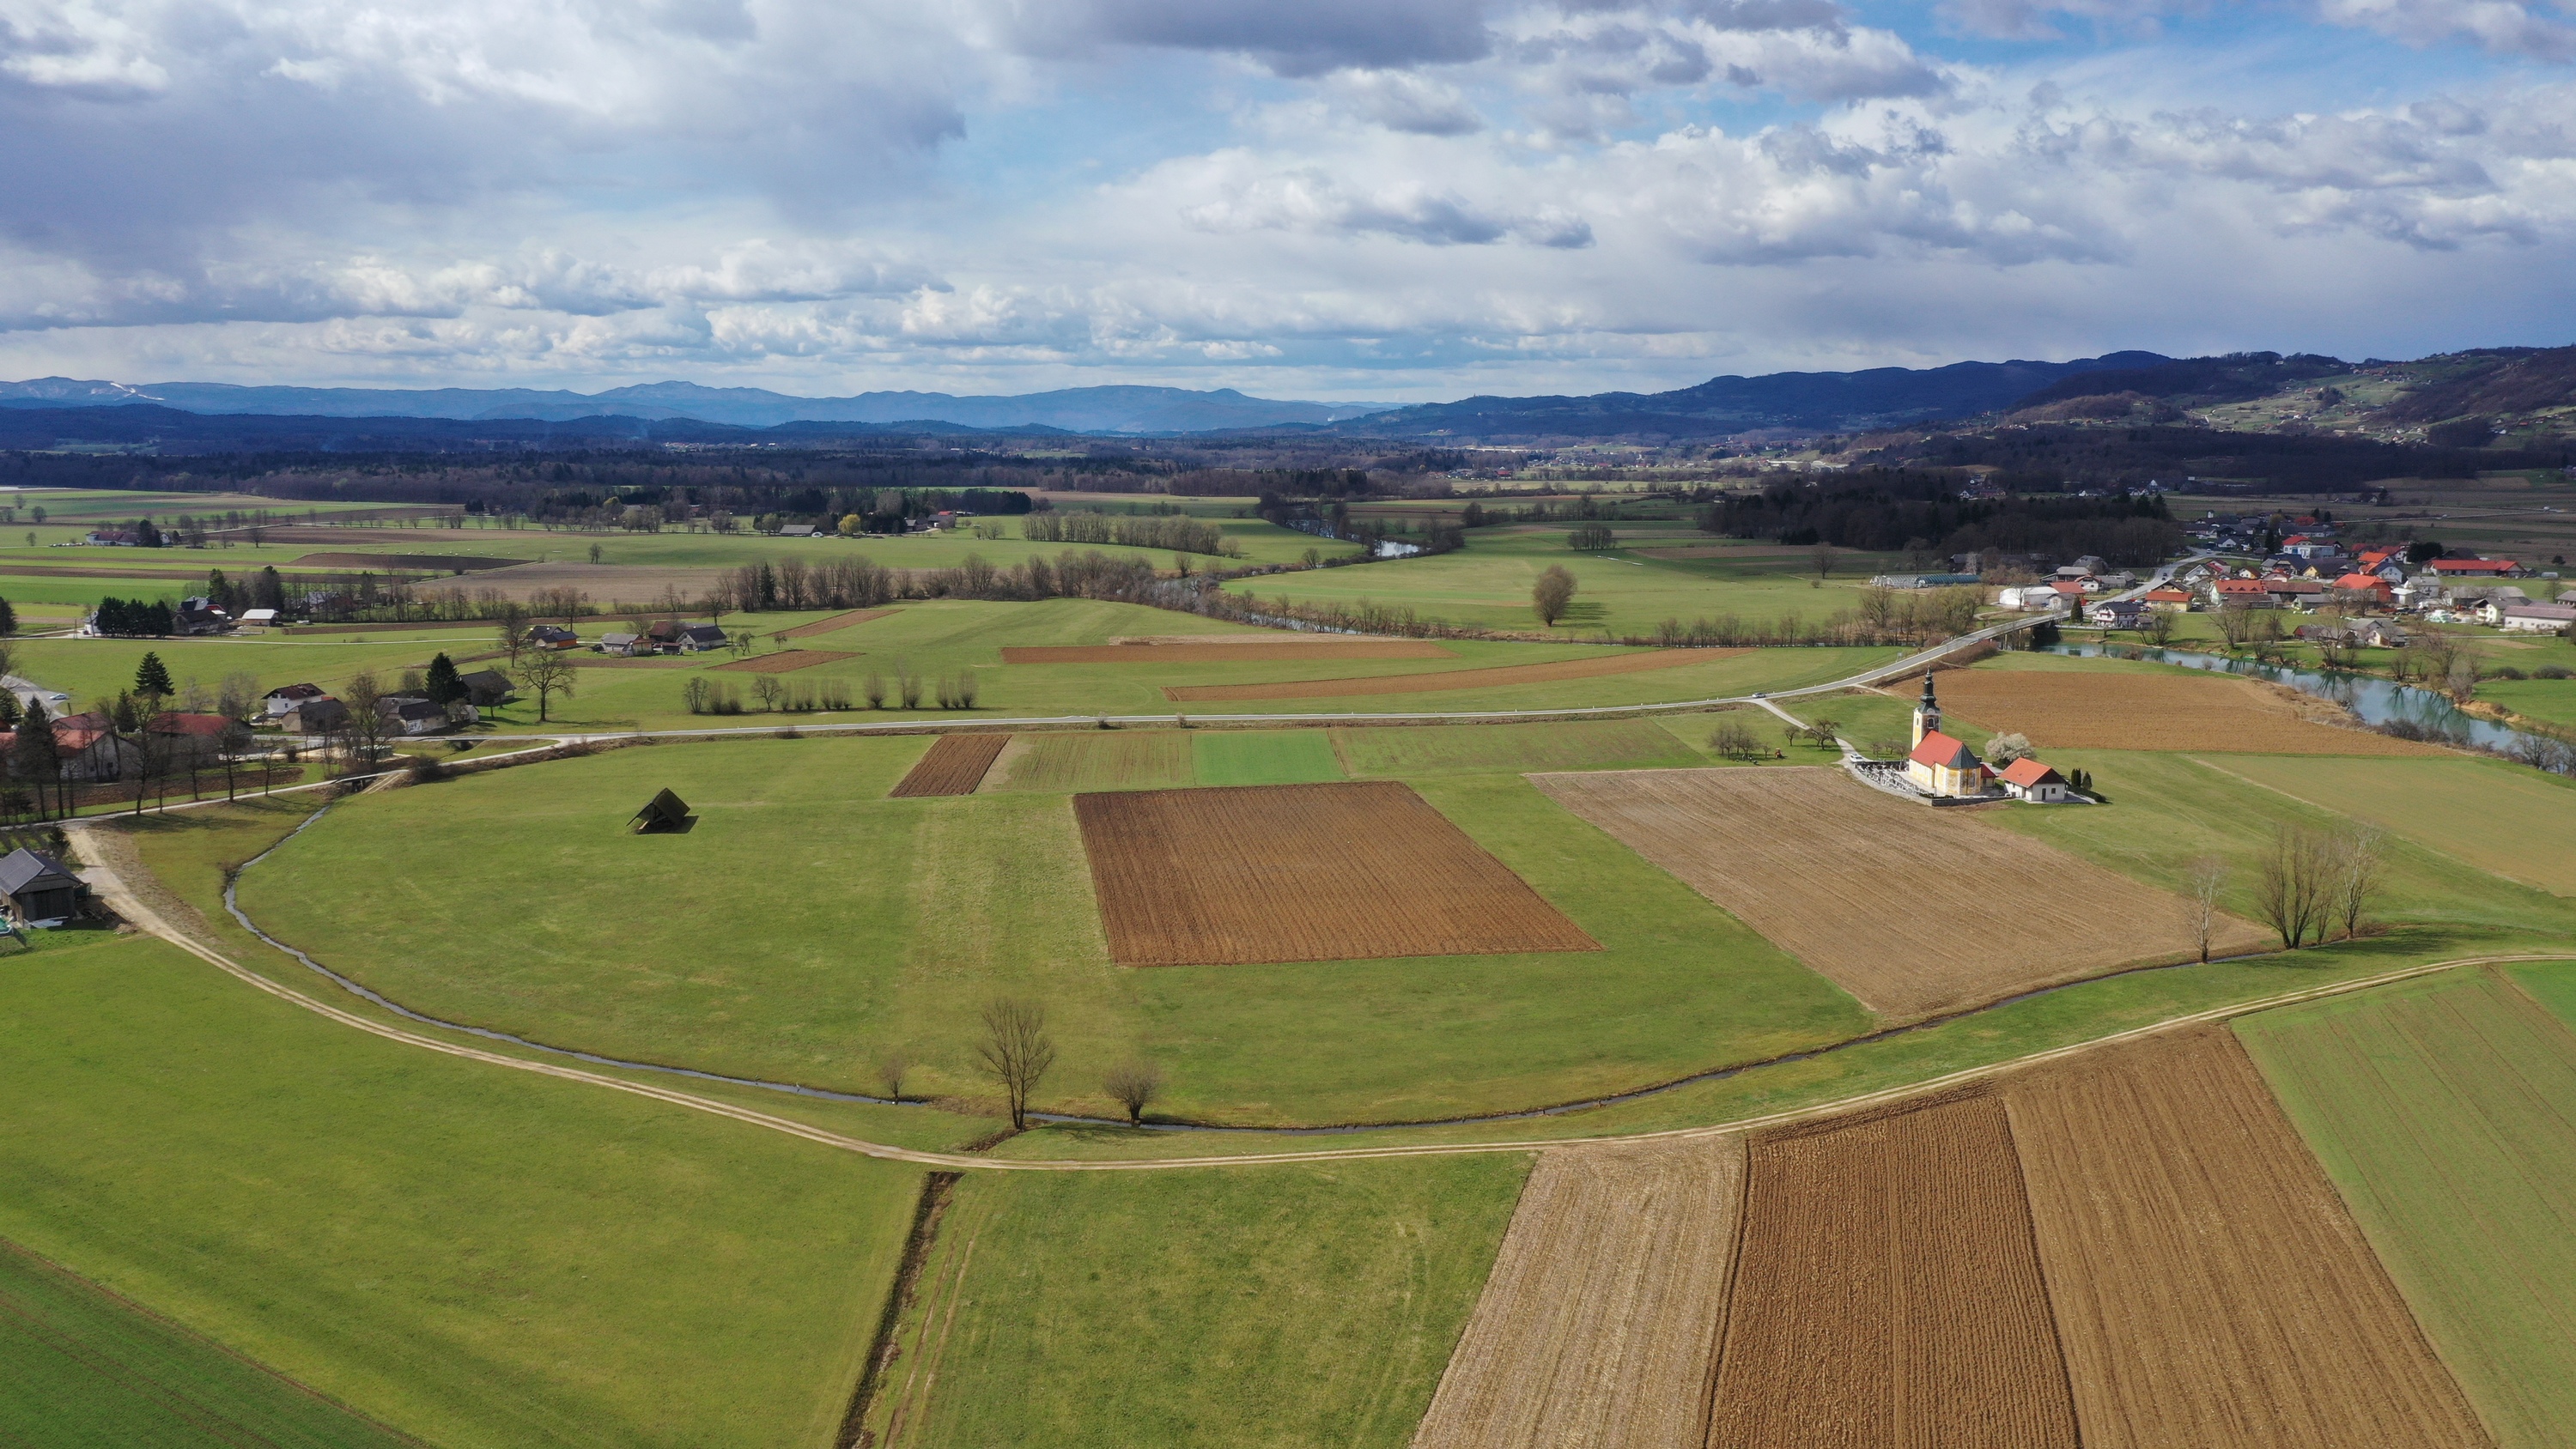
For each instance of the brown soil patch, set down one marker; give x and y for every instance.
(955, 765)
(435, 563)
(1222, 651)
(1915, 911)
(1335, 872)
(837, 621)
(1499, 677)
(1597, 1326)
(2177, 710)
(2210, 1287)
(1888, 1292)
(787, 661)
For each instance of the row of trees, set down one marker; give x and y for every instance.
(1180, 533)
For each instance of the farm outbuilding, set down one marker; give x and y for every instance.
(39, 889)
(2028, 779)
(663, 814)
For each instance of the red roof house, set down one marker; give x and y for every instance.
(2028, 779)
(2360, 584)
(2475, 567)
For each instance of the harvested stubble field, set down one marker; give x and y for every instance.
(2445, 1111)
(1887, 1292)
(1598, 1323)
(2209, 1286)
(1831, 870)
(1498, 677)
(1071, 762)
(2175, 709)
(1483, 749)
(954, 765)
(1223, 650)
(1269, 873)
(837, 621)
(787, 661)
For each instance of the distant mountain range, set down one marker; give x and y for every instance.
(1113, 410)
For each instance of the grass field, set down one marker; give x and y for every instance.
(1068, 763)
(2551, 701)
(1256, 1308)
(82, 1366)
(1610, 744)
(2445, 1111)
(2514, 821)
(1626, 591)
(470, 1255)
(828, 923)
(1263, 757)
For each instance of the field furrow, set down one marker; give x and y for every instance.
(1887, 1292)
(954, 765)
(1913, 910)
(2210, 1288)
(1597, 1327)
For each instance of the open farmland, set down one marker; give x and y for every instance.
(1070, 762)
(2514, 821)
(1250, 1308)
(79, 1365)
(2146, 707)
(1502, 676)
(1598, 1325)
(786, 661)
(1263, 757)
(1225, 650)
(2209, 1286)
(1302, 873)
(2445, 1111)
(1826, 867)
(953, 765)
(1887, 1292)
(833, 624)
(1630, 744)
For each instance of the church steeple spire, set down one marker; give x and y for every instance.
(1927, 714)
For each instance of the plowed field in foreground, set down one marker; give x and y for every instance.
(1913, 910)
(1887, 1293)
(1596, 1328)
(2175, 709)
(954, 765)
(1325, 872)
(2209, 1287)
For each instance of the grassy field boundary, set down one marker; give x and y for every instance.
(128, 905)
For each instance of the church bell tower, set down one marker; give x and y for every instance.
(1927, 713)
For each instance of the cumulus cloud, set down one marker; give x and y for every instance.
(2540, 31)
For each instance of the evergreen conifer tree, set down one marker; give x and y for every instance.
(152, 677)
(443, 685)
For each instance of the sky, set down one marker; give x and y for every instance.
(1350, 200)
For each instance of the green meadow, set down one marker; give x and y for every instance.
(1263, 1307)
(826, 924)
(472, 1255)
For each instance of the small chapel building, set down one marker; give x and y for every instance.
(1940, 765)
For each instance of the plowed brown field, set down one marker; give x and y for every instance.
(787, 661)
(1597, 1327)
(2210, 1288)
(837, 621)
(1222, 651)
(1915, 911)
(1498, 677)
(2165, 710)
(1887, 1292)
(1302, 873)
(954, 765)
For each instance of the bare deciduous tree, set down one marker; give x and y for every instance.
(2208, 878)
(1734, 740)
(892, 1067)
(549, 673)
(1552, 593)
(1132, 1085)
(1015, 1052)
(2158, 627)
(512, 632)
(2290, 891)
(366, 727)
(2354, 878)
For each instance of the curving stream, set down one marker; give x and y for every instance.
(2377, 701)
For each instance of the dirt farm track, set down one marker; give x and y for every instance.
(1892, 902)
